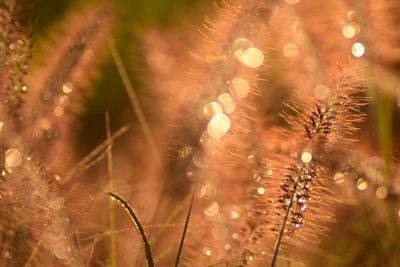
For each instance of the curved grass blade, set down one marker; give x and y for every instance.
(178, 256)
(136, 223)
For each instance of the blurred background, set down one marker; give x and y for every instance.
(133, 19)
(366, 234)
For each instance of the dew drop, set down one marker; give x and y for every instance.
(249, 258)
(239, 88)
(190, 172)
(252, 57)
(208, 252)
(227, 102)
(63, 100)
(261, 190)
(348, 31)
(67, 88)
(61, 249)
(290, 50)
(185, 152)
(200, 159)
(240, 45)
(212, 209)
(219, 125)
(212, 109)
(358, 49)
(234, 212)
(257, 177)
(381, 192)
(306, 157)
(251, 159)
(208, 191)
(338, 178)
(351, 15)
(13, 158)
(292, 2)
(58, 111)
(44, 123)
(362, 184)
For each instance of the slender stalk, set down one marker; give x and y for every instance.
(282, 231)
(133, 98)
(173, 214)
(375, 236)
(32, 256)
(384, 119)
(111, 214)
(85, 163)
(184, 230)
(138, 226)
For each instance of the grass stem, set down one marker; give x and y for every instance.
(111, 213)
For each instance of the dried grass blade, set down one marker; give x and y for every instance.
(111, 215)
(134, 99)
(85, 163)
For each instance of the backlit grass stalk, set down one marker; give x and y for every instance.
(307, 187)
(15, 52)
(55, 90)
(219, 133)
